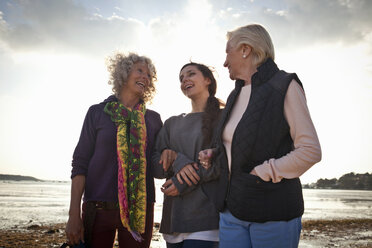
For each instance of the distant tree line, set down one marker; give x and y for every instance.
(347, 181)
(18, 178)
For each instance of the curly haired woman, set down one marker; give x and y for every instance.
(111, 162)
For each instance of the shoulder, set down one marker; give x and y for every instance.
(282, 79)
(152, 114)
(153, 118)
(95, 110)
(174, 120)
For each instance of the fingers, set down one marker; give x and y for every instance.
(166, 184)
(179, 178)
(253, 172)
(184, 177)
(206, 165)
(188, 173)
(74, 231)
(205, 155)
(191, 173)
(82, 234)
(167, 158)
(171, 189)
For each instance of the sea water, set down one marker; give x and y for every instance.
(25, 203)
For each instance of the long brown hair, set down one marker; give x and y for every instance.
(212, 107)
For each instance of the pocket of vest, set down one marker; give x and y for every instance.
(250, 195)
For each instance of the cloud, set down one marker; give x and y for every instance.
(309, 22)
(67, 27)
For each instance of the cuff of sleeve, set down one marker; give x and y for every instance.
(180, 187)
(78, 170)
(264, 171)
(180, 162)
(267, 172)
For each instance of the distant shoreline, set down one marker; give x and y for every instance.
(350, 181)
(8, 177)
(19, 178)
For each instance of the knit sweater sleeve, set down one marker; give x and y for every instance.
(85, 147)
(306, 150)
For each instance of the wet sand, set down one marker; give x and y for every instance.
(316, 233)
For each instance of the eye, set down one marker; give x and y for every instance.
(181, 78)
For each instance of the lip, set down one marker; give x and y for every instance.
(188, 86)
(139, 83)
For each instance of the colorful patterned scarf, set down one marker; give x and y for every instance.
(131, 149)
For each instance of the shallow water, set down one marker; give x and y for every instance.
(25, 203)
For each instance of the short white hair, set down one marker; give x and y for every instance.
(255, 36)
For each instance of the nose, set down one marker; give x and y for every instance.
(225, 63)
(146, 77)
(183, 79)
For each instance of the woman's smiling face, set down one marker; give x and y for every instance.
(138, 79)
(192, 81)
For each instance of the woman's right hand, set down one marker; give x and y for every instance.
(74, 230)
(167, 158)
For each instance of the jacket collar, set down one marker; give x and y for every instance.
(264, 72)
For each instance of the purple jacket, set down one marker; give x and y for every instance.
(95, 155)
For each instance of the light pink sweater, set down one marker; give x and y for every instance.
(306, 151)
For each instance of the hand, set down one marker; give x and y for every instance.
(169, 189)
(205, 158)
(74, 230)
(167, 158)
(188, 173)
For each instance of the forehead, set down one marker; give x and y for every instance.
(229, 45)
(140, 64)
(188, 68)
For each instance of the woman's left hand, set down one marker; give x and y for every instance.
(205, 158)
(169, 189)
(189, 173)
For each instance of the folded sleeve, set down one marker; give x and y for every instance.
(306, 150)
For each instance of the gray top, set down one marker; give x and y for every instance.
(191, 211)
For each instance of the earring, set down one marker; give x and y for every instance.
(244, 56)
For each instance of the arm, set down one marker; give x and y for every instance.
(306, 151)
(80, 162)
(163, 157)
(192, 175)
(74, 227)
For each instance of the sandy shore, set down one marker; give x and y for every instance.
(316, 233)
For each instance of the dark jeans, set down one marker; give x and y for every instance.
(108, 221)
(192, 243)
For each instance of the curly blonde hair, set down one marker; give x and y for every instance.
(119, 66)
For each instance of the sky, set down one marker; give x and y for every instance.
(52, 68)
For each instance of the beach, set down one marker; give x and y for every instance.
(316, 233)
(33, 214)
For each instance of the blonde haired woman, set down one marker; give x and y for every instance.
(112, 160)
(265, 141)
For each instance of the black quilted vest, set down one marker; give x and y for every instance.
(261, 134)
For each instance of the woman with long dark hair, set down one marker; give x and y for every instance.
(189, 217)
